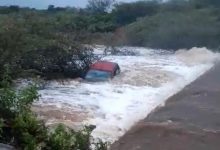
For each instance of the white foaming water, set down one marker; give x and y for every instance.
(146, 82)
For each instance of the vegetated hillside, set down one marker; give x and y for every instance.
(174, 30)
(44, 42)
(178, 24)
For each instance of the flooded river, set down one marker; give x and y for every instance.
(146, 81)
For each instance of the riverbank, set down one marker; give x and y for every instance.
(189, 120)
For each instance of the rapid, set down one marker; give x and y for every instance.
(146, 81)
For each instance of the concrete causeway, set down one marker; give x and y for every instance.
(190, 120)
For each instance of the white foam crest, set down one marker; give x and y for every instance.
(197, 55)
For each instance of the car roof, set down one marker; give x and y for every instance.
(104, 66)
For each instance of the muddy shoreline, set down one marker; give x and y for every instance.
(188, 121)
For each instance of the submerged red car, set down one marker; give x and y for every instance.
(102, 70)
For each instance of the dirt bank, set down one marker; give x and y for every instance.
(189, 120)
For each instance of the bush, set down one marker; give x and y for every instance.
(29, 133)
(13, 103)
(100, 145)
(64, 139)
(21, 128)
(61, 139)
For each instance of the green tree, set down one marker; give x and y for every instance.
(99, 6)
(126, 13)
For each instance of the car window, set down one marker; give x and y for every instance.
(97, 74)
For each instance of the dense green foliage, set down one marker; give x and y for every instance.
(178, 24)
(44, 42)
(193, 28)
(20, 127)
(126, 13)
(31, 40)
